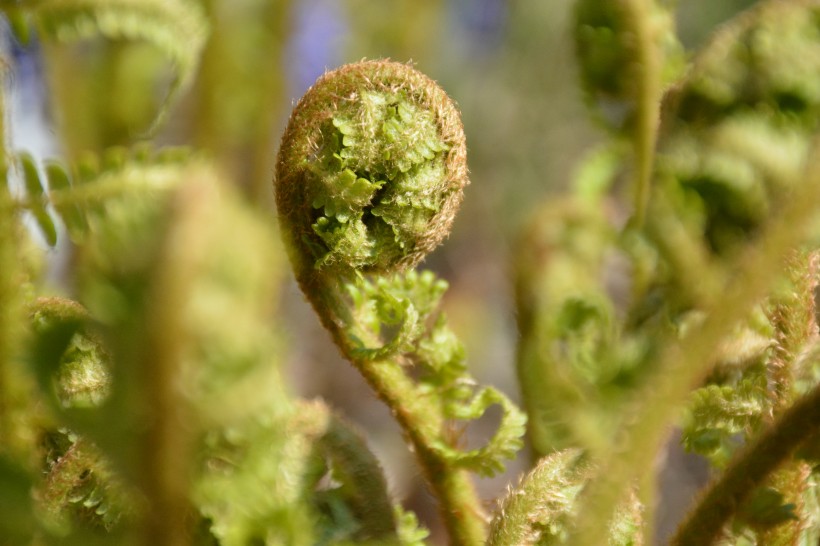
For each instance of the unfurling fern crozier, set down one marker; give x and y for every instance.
(370, 171)
(368, 179)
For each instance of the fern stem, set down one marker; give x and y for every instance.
(167, 447)
(252, 80)
(649, 93)
(459, 505)
(7, 290)
(7, 261)
(10, 279)
(758, 460)
(420, 419)
(647, 495)
(8, 230)
(684, 365)
(278, 14)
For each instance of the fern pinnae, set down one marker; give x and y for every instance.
(36, 194)
(541, 503)
(59, 182)
(542, 508)
(505, 443)
(757, 461)
(78, 194)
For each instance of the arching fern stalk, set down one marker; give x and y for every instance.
(368, 179)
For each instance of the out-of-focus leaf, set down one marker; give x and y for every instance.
(737, 130)
(178, 28)
(36, 195)
(60, 183)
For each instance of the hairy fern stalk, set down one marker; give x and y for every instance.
(673, 285)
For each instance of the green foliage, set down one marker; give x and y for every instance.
(142, 400)
(568, 323)
(598, 300)
(403, 302)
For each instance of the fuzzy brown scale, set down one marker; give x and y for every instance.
(396, 214)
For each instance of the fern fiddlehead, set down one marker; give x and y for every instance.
(369, 176)
(371, 170)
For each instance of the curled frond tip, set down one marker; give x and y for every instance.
(370, 170)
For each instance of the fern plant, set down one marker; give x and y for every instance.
(674, 285)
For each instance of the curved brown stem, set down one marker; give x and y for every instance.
(649, 97)
(421, 420)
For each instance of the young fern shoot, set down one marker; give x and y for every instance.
(368, 179)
